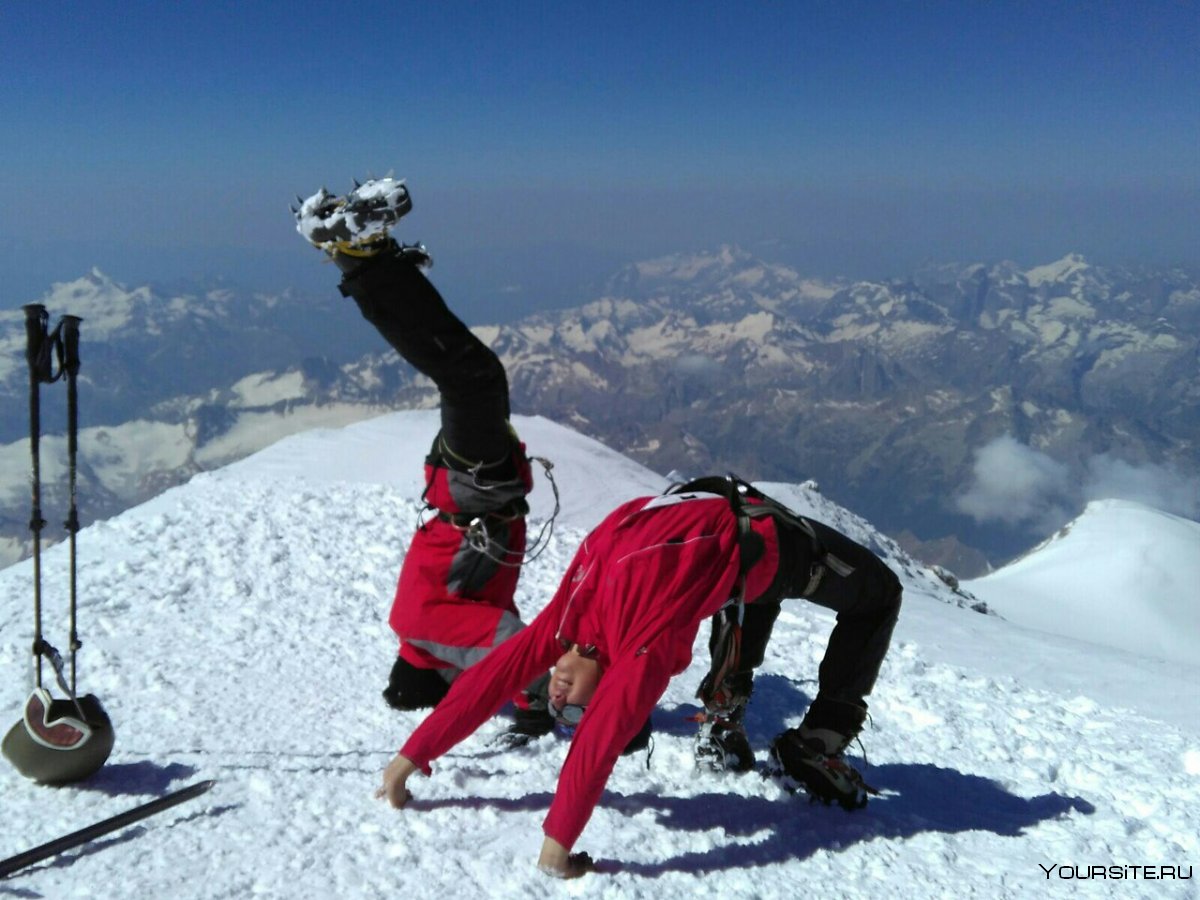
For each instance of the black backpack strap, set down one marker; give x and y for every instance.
(822, 561)
(733, 489)
(726, 643)
(736, 490)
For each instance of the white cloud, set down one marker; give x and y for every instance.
(1017, 485)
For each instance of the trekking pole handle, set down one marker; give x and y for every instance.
(36, 319)
(70, 344)
(36, 355)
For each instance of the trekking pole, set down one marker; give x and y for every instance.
(56, 741)
(69, 348)
(38, 356)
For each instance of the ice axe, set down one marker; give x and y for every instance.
(66, 740)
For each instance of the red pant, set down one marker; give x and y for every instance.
(453, 602)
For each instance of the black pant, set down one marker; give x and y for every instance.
(410, 314)
(865, 595)
(396, 297)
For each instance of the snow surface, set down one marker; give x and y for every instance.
(235, 628)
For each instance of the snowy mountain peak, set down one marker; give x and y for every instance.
(719, 360)
(1066, 269)
(690, 266)
(716, 278)
(1129, 545)
(105, 305)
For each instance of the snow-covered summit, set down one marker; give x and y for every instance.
(390, 450)
(727, 276)
(1122, 574)
(235, 628)
(104, 305)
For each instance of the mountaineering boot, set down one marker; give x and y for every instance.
(352, 263)
(802, 763)
(354, 228)
(352, 223)
(721, 743)
(811, 756)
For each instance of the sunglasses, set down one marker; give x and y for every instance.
(569, 715)
(48, 726)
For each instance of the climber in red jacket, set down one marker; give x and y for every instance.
(624, 619)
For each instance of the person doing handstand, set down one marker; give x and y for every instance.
(454, 597)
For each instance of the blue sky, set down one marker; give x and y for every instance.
(548, 143)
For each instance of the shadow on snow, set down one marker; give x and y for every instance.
(922, 798)
(918, 797)
(135, 779)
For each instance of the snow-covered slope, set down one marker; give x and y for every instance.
(235, 627)
(1122, 574)
(390, 450)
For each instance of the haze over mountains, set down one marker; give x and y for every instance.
(969, 409)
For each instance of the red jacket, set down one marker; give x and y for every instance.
(638, 589)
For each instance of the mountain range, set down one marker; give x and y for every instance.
(968, 409)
